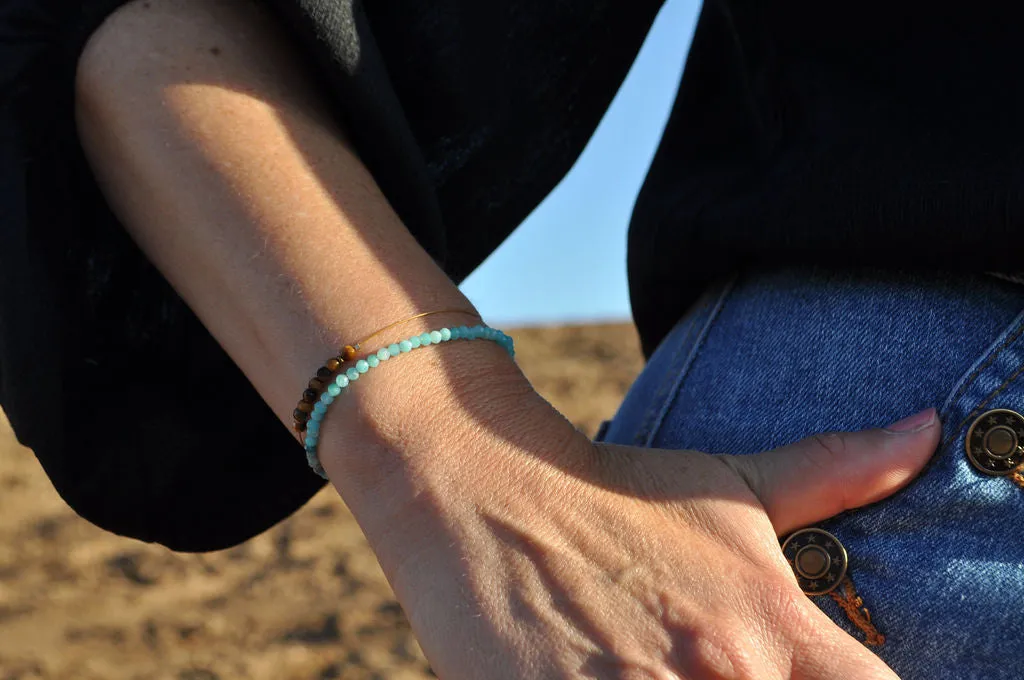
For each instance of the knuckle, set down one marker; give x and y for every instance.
(752, 641)
(717, 656)
(828, 448)
(787, 610)
(741, 466)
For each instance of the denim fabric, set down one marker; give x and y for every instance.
(772, 356)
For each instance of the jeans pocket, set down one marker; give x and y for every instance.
(940, 564)
(781, 354)
(649, 399)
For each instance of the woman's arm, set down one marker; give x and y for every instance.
(517, 548)
(225, 165)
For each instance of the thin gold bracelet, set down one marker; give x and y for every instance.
(349, 352)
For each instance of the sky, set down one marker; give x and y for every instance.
(566, 263)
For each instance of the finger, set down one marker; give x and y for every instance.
(823, 475)
(829, 653)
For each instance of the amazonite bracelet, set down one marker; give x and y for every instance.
(343, 380)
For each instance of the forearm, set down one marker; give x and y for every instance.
(224, 165)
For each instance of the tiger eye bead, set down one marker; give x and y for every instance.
(316, 384)
(348, 353)
(300, 415)
(305, 407)
(301, 427)
(310, 396)
(324, 373)
(333, 364)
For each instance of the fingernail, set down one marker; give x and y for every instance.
(914, 423)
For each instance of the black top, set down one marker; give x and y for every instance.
(798, 136)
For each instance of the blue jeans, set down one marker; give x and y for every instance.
(772, 356)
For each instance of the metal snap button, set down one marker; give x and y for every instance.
(818, 560)
(995, 442)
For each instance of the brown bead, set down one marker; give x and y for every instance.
(333, 364)
(316, 384)
(348, 352)
(324, 373)
(301, 427)
(305, 407)
(310, 396)
(300, 415)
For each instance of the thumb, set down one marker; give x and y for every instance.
(825, 474)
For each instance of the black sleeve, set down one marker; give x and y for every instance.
(466, 113)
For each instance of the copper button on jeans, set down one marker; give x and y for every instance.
(818, 560)
(995, 442)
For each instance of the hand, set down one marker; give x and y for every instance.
(628, 563)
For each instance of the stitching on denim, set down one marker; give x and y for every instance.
(665, 384)
(993, 355)
(1018, 477)
(685, 369)
(853, 605)
(992, 395)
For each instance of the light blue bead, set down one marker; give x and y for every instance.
(342, 380)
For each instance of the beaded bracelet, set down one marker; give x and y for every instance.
(325, 374)
(344, 379)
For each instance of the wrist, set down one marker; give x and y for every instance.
(455, 407)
